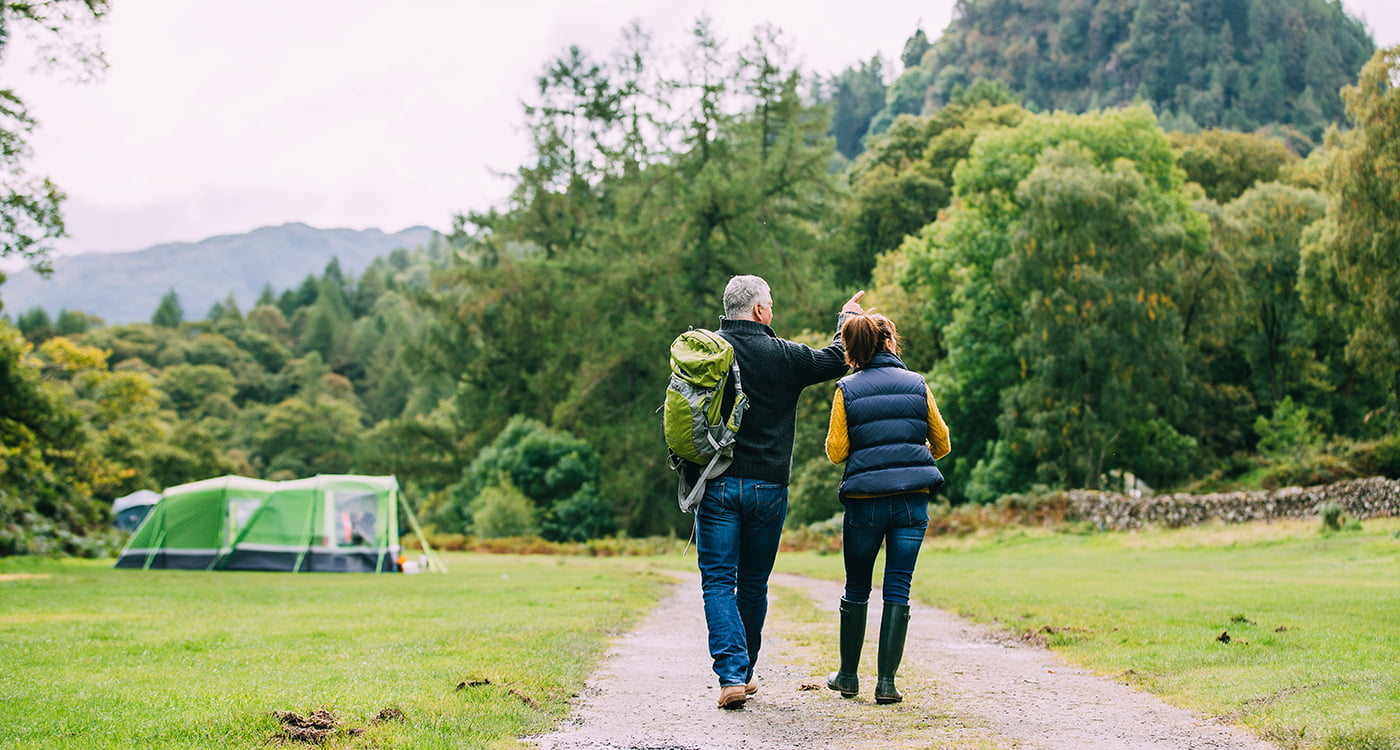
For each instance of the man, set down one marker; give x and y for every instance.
(740, 519)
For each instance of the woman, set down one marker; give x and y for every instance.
(886, 427)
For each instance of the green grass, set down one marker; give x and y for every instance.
(101, 658)
(1314, 618)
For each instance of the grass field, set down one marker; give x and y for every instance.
(1313, 659)
(92, 657)
(101, 658)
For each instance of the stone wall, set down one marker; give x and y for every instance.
(1359, 498)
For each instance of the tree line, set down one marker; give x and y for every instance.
(1094, 300)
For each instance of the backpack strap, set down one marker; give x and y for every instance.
(740, 405)
(689, 497)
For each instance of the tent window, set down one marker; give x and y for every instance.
(240, 510)
(356, 515)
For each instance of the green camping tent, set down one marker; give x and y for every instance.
(194, 524)
(340, 523)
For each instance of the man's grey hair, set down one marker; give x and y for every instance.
(742, 293)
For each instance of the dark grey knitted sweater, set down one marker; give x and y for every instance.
(774, 371)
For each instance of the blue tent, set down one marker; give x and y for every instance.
(128, 512)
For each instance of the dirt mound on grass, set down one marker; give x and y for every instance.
(321, 725)
(313, 728)
(389, 714)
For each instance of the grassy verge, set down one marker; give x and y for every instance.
(1313, 619)
(103, 658)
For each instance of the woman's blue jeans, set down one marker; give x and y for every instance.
(738, 526)
(900, 522)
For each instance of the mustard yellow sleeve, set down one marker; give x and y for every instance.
(838, 442)
(938, 443)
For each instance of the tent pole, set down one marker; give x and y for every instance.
(160, 539)
(224, 541)
(310, 524)
(433, 560)
(380, 544)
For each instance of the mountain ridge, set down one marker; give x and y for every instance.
(126, 287)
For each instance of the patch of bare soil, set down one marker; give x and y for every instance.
(320, 726)
(313, 728)
(965, 686)
(393, 713)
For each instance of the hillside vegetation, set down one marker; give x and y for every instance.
(1094, 302)
(1235, 64)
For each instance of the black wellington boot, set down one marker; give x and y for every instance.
(894, 626)
(852, 638)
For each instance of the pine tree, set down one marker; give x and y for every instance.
(168, 313)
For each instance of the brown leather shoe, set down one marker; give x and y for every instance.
(751, 688)
(732, 696)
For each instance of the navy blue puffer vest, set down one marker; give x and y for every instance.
(887, 423)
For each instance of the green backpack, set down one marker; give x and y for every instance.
(701, 415)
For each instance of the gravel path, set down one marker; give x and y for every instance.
(965, 686)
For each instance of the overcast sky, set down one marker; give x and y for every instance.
(219, 117)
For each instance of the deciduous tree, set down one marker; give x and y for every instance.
(30, 217)
(1277, 333)
(1352, 269)
(1098, 340)
(958, 281)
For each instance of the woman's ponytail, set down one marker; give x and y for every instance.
(864, 335)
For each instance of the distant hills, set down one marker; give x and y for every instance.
(127, 287)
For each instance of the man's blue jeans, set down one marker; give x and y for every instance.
(738, 526)
(900, 522)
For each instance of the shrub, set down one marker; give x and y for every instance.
(578, 518)
(534, 545)
(646, 546)
(521, 545)
(555, 471)
(1289, 434)
(1377, 458)
(441, 542)
(822, 536)
(1312, 470)
(813, 496)
(33, 534)
(1040, 507)
(1332, 517)
(1160, 455)
(503, 511)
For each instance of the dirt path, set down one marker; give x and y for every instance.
(965, 686)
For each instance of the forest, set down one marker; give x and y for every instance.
(1235, 64)
(1103, 292)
